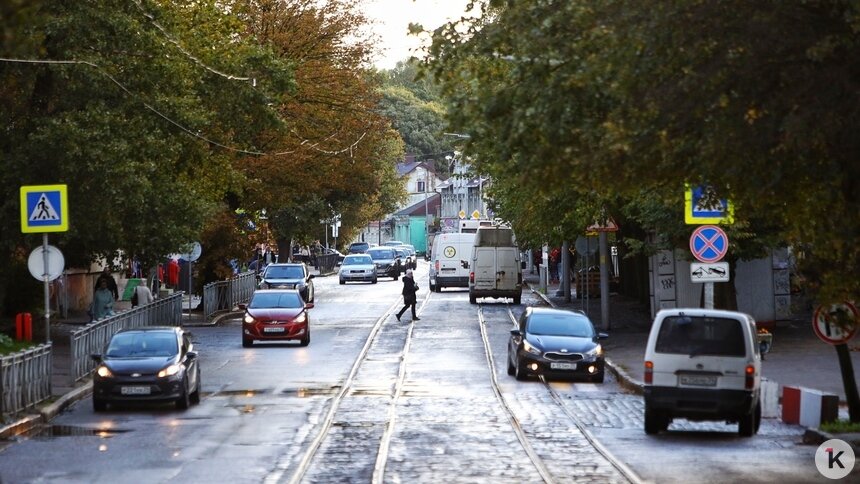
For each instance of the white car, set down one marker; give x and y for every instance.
(357, 267)
(702, 364)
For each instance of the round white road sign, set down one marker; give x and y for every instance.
(36, 263)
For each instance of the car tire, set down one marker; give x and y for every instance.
(598, 377)
(517, 300)
(473, 299)
(519, 371)
(306, 339)
(395, 277)
(195, 396)
(653, 421)
(438, 288)
(247, 342)
(99, 405)
(374, 281)
(342, 282)
(511, 369)
(184, 400)
(748, 424)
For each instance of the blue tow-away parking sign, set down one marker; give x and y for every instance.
(44, 208)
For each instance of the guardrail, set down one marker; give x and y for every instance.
(25, 380)
(93, 337)
(225, 295)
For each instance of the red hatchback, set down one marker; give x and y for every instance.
(276, 314)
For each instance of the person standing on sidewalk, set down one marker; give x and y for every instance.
(111, 283)
(409, 299)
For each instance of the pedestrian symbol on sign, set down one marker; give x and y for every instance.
(44, 210)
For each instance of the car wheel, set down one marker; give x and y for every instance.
(517, 300)
(511, 368)
(373, 281)
(748, 424)
(184, 400)
(598, 377)
(306, 339)
(519, 370)
(195, 396)
(432, 288)
(438, 288)
(342, 282)
(473, 299)
(99, 405)
(247, 342)
(395, 277)
(653, 423)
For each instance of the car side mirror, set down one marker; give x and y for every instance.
(516, 332)
(243, 306)
(309, 305)
(191, 355)
(311, 276)
(523, 265)
(602, 335)
(96, 357)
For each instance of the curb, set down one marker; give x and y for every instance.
(215, 320)
(47, 412)
(624, 379)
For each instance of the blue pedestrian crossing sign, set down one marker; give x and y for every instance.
(703, 206)
(44, 208)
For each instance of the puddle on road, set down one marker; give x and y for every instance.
(51, 431)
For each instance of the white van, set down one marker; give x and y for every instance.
(702, 364)
(449, 260)
(495, 266)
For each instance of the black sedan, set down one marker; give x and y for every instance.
(387, 262)
(154, 364)
(555, 343)
(289, 276)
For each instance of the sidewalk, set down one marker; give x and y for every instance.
(797, 357)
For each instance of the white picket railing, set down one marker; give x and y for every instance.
(225, 295)
(25, 379)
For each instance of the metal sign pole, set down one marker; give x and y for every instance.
(189, 284)
(709, 295)
(46, 278)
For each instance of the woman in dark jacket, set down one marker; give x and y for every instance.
(409, 299)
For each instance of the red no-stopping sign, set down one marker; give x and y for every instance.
(709, 244)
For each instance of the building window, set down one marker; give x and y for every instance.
(421, 187)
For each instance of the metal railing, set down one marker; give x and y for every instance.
(25, 379)
(327, 263)
(93, 337)
(225, 295)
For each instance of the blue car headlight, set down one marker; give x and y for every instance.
(530, 348)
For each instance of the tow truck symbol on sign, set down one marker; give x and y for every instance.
(713, 272)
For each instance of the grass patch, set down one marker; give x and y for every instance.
(841, 427)
(9, 345)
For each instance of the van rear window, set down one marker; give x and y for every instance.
(690, 335)
(495, 237)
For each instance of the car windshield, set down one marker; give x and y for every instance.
(402, 252)
(269, 300)
(381, 254)
(355, 261)
(138, 344)
(560, 325)
(285, 272)
(686, 335)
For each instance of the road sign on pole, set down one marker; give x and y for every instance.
(826, 322)
(703, 206)
(44, 208)
(716, 272)
(709, 244)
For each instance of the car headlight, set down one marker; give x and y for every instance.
(596, 351)
(248, 318)
(169, 371)
(531, 349)
(104, 372)
(301, 318)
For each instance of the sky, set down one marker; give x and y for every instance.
(393, 18)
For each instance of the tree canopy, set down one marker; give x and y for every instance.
(612, 101)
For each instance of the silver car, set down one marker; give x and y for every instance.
(357, 267)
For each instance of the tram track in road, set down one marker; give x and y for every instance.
(540, 465)
(311, 452)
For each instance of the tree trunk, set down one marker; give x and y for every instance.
(849, 382)
(725, 293)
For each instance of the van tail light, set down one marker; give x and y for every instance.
(750, 377)
(437, 267)
(472, 277)
(649, 372)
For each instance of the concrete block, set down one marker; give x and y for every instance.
(808, 407)
(769, 398)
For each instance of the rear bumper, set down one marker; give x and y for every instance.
(700, 403)
(496, 292)
(451, 281)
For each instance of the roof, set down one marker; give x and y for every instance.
(433, 202)
(409, 166)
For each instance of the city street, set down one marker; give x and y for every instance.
(372, 399)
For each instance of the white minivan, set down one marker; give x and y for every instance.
(449, 260)
(702, 364)
(495, 266)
